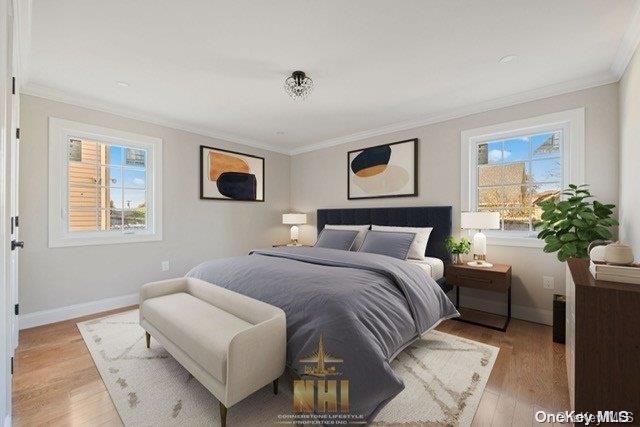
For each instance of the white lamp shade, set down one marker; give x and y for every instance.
(480, 220)
(294, 218)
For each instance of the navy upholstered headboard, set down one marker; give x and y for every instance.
(438, 217)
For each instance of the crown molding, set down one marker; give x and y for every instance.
(544, 92)
(628, 45)
(604, 78)
(52, 94)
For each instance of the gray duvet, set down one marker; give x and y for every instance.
(368, 308)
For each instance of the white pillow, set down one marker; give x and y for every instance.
(361, 229)
(419, 245)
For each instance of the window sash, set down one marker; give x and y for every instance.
(98, 187)
(528, 183)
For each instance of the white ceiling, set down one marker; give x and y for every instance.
(217, 67)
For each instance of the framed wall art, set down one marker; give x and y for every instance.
(387, 170)
(228, 175)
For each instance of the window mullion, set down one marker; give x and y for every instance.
(530, 182)
(96, 185)
(503, 193)
(122, 196)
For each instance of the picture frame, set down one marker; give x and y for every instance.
(231, 175)
(383, 171)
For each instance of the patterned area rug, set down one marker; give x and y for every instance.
(444, 378)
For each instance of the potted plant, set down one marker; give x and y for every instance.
(457, 247)
(568, 226)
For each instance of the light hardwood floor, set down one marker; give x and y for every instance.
(56, 382)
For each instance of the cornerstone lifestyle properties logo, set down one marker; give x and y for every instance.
(322, 395)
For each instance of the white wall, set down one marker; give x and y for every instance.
(318, 180)
(194, 230)
(630, 154)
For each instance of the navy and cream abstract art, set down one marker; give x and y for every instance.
(388, 170)
(227, 175)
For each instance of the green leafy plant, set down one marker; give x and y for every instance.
(457, 247)
(463, 246)
(570, 225)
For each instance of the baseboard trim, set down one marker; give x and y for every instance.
(522, 312)
(45, 317)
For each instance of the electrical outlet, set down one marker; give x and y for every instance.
(165, 265)
(548, 282)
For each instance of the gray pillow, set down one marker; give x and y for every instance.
(337, 239)
(361, 229)
(388, 243)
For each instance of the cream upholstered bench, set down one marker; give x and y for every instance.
(233, 344)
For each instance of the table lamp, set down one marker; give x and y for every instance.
(294, 219)
(480, 221)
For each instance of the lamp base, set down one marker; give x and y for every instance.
(295, 231)
(480, 264)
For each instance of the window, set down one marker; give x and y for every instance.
(511, 167)
(104, 185)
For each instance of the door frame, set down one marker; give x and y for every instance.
(14, 14)
(6, 317)
(13, 182)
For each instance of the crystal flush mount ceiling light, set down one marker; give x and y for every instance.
(298, 85)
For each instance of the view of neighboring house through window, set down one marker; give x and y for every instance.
(107, 186)
(514, 174)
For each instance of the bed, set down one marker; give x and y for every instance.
(365, 308)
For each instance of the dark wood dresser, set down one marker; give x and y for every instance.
(603, 342)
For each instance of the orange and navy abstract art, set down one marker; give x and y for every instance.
(227, 175)
(387, 170)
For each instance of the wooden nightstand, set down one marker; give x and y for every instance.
(494, 279)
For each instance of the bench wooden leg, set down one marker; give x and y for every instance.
(147, 335)
(275, 386)
(223, 415)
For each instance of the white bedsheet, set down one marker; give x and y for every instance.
(433, 266)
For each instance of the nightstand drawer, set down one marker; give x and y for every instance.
(479, 279)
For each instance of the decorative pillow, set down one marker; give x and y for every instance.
(388, 243)
(419, 245)
(361, 229)
(336, 239)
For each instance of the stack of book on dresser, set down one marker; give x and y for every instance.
(615, 273)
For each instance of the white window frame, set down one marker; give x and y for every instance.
(572, 125)
(60, 131)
